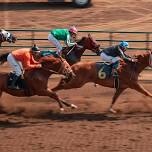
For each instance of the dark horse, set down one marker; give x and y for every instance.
(73, 54)
(128, 76)
(36, 80)
(7, 36)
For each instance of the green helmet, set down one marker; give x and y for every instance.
(35, 48)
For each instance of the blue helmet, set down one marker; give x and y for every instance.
(124, 44)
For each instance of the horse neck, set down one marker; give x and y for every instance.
(52, 66)
(143, 62)
(79, 52)
(83, 43)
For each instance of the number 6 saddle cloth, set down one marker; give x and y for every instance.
(104, 70)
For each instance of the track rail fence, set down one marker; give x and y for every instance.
(137, 40)
(27, 37)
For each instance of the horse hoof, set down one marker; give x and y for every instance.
(73, 106)
(95, 85)
(61, 109)
(112, 111)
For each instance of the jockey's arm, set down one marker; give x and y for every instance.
(68, 42)
(29, 66)
(124, 56)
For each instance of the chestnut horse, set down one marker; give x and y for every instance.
(73, 54)
(128, 76)
(36, 80)
(7, 36)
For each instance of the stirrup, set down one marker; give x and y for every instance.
(114, 73)
(14, 87)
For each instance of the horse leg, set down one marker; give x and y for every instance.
(115, 97)
(53, 95)
(1, 106)
(141, 89)
(59, 86)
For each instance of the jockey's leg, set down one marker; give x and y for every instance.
(56, 43)
(115, 97)
(17, 70)
(115, 66)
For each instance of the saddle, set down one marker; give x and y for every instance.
(105, 72)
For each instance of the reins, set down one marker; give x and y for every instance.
(70, 50)
(60, 69)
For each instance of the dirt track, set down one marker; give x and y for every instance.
(35, 124)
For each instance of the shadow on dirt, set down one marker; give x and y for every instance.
(62, 117)
(35, 6)
(8, 124)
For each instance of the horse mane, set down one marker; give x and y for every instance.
(81, 40)
(49, 58)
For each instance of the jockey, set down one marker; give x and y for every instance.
(67, 35)
(113, 55)
(27, 58)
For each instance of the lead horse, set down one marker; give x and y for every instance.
(128, 76)
(36, 80)
(7, 36)
(73, 54)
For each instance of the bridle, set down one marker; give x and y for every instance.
(96, 47)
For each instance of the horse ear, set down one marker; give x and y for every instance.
(89, 35)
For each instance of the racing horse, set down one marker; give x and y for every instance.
(35, 80)
(128, 76)
(7, 36)
(73, 54)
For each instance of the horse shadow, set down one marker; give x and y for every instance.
(66, 117)
(4, 124)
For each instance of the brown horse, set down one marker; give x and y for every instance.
(128, 76)
(36, 80)
(7, 36)
(73, 54)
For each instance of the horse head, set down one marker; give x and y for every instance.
(89, 43)
(7, 36)
(145, 58)
(57, 66)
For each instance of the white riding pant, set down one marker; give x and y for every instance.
(17, 66)
(109, 59)
(55, 42)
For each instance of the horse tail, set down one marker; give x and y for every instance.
(3, 58)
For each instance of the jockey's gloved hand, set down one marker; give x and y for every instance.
(78, 46)
(134, 60)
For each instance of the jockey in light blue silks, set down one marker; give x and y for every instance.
(113, 55)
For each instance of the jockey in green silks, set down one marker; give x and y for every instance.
(67, 35)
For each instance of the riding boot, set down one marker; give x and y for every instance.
(115, 68)
(14, 81)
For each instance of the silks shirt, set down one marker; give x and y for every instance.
(64, 35)
(26, 58)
